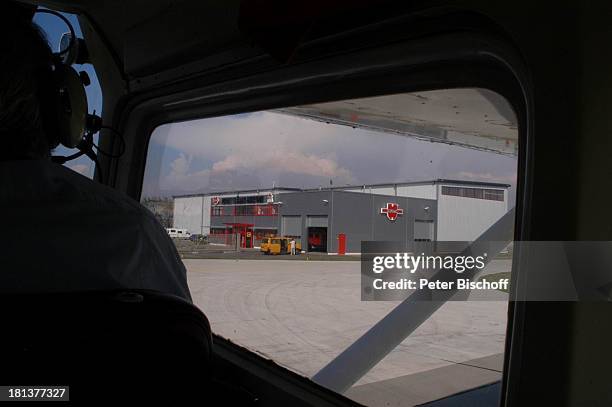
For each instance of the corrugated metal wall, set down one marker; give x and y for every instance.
(317, 221)
(292, 226)
(427, 191)
(206, 215)
(423, 191)
(464, 219)
(187, 213)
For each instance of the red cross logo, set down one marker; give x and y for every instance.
(392, 210)
(215, 200)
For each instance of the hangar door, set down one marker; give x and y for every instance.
(317, 221)
(291, 226)
(317, 233)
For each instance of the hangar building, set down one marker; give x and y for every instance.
(341, 217)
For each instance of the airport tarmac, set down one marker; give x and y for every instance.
(303, 314)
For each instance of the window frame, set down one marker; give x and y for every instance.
(456, 58)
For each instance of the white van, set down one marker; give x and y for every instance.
(178, 233)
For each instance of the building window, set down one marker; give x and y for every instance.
(477, 193)
(242, 200)
(244, 210)
(265, 210)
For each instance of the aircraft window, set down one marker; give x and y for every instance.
(419, 167)
(54, 29)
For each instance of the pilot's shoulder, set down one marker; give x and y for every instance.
(105, 197)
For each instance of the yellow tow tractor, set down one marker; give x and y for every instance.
(278, 245)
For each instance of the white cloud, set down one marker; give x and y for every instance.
(242, 170)
(180, 166)
(253, 134)
(180, 176)
(250, 151)
(284, 161)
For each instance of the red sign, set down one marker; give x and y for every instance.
(215, 200)
(392, 210)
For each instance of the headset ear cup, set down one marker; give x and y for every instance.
(71, 107)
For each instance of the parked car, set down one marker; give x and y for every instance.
(178, 233)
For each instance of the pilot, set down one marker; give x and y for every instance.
(60, 231)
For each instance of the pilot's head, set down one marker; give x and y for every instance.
(25, 69)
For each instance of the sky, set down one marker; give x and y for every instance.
(54, 27)
(259, 150)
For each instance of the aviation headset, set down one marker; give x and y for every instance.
(61, 94)
(63, 102)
